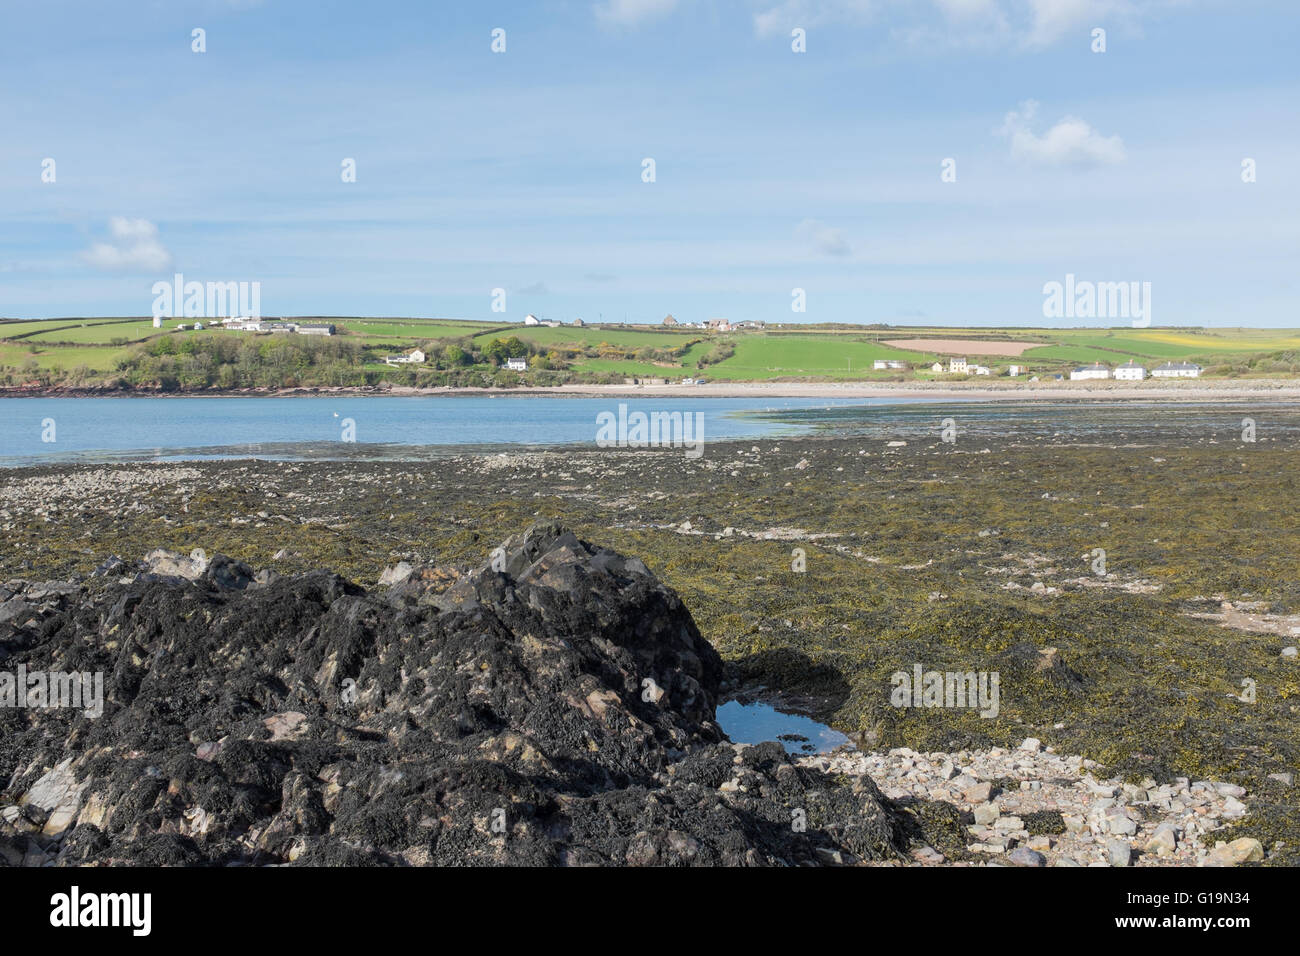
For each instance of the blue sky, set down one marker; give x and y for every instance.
(774, 170)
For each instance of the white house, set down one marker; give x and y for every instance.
(980, 370)
(1096, 370)
(411, 357)
(1176, 370)
(1130, 372)
(1014, 370)
(517, 364)
(157, 321)
(531, 319)
(936, 367)
(957, 366)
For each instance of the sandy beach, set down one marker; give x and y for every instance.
(1192, 391)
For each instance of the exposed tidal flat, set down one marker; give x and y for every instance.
(980, 555)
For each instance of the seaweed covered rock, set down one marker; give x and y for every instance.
(554, 706)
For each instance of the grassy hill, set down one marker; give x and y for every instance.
(129, 350)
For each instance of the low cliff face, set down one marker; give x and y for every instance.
(555, 706)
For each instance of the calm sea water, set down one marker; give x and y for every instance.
(128, 429)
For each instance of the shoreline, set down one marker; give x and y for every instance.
(1188, 390)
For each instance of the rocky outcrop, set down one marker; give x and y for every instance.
(555, 706)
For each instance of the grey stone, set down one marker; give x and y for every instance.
(1023, 856)
(1164, 841)
(1118, 852)
(979, 793)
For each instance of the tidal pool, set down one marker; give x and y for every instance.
(758, 722)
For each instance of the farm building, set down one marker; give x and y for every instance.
(409, 357)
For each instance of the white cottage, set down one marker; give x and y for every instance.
(1096, 370)
(1130, 372)
(1176, 370)
(411, 357)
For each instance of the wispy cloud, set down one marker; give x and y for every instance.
(630, 13)
(825, 239)
(133, 247)
(1017, 23)
(537, 288)
(782, 17)
(1071, 142)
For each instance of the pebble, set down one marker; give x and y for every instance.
(1023, 856)
(1103, 821)
(1244, 850)
(1164, 841)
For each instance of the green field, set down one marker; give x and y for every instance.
(99, 333)
(10, 330)
(768, 356)
(624, 337)
(410, 328)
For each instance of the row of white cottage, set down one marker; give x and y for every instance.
(1131, 371)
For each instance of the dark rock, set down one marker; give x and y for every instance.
(558, 712)
(227, 573)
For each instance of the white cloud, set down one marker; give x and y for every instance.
(825, 239)
(1052, 19)
(134, 247)
(1071, 142)
(630, 13)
